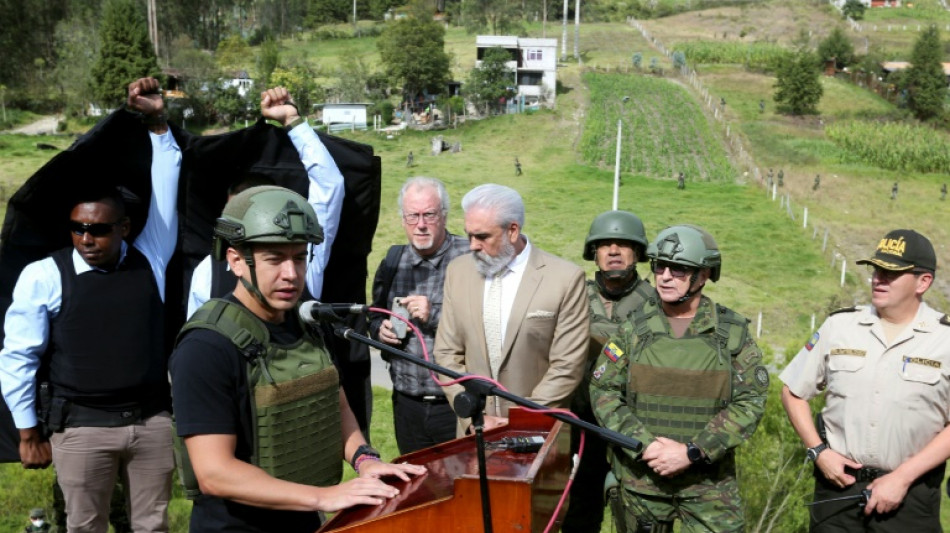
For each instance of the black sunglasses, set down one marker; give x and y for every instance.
(98, 229)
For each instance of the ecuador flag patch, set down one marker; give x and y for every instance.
(613, 352)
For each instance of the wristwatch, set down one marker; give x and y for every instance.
(814, 452)
(364, 449)
(693, 453)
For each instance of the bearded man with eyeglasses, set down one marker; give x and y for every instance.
(685, 377)
(414, 274)
(84, 372)
(884, 371)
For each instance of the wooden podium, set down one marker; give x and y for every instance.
(524, 487)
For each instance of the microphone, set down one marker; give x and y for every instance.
(314, 311)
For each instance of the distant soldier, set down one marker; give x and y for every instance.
(769, 182)
(894, 191)
(761, 106)
(38, 522)
(681, 181)
(817, 182)
(517, 167)
(943, 192)
(409, 160)
(781, 178)
(722, 103)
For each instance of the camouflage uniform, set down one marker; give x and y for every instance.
(706, 496)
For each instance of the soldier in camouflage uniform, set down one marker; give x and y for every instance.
(684, 377)
(616, 242)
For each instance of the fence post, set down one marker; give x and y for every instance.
(758, 327)
(824, 241)
(844, 267)
(805, 217)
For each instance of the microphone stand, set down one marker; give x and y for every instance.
(470, 404)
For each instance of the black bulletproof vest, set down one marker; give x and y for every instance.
(106, 344)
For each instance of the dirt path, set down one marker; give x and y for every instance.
(43, 126)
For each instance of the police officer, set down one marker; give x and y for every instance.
(257, 399)
(887, 403)
(616, 242)
(684, 377)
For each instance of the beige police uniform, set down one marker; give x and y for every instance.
(884, 402)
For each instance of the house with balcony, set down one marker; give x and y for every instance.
(533, 62)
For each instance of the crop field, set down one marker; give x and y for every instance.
(664, 130)
(894, 146)
(755, 55)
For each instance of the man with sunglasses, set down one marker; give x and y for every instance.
(86, 323)
(685, 377)
(415, 273)
(886, 421)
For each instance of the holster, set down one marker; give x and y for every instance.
(57, 414)
(612, 495)
(43, 399)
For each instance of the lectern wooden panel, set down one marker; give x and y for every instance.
(524, 487)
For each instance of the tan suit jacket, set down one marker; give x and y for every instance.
(545, 345)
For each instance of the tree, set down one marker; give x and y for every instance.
(490, 81)
(798, 85)
(268, 59)
(413, 55)
(125, 53)
(853, 9)
(838, 46)
(927, 84)
(75, 54)
(299, 81)
(497, 17)
(233, 54)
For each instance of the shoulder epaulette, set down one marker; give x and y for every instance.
(945, 320)
(843, 310)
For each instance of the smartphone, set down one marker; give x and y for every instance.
(399, 327)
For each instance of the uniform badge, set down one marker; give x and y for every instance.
(812, 342)
(613, 352)
(762, 376)
(599, 372)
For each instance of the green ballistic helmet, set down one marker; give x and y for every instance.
(688, 245)
(265, 214)
(620, 225)
(37, 513)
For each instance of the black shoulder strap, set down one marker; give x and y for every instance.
(389, 266)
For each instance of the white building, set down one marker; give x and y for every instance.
(534, 63)
(344, 116)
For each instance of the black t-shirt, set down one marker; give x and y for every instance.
(211, 396)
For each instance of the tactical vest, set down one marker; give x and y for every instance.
(676, 386)
(106, 348)
(296, 433)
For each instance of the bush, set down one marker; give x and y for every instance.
(385, 109)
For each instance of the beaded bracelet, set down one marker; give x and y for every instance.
(361, 459)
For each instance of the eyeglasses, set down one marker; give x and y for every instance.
(98, 229)
(677, 271)
(891, 275)
(428, 216)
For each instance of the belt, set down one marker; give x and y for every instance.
(82, 416)
(865, 473)
(432, 398)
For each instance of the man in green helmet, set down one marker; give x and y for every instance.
(684, 377)
(616, 242)
(257, 399)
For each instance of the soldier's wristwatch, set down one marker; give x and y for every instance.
(693, 453)
(815, 451)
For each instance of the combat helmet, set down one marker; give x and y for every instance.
(621, 225)
(688, 245)
(264, 214)
(37, 512)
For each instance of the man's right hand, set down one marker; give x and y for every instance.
(35, 451)
(145, 97)
(832, 465)
(359, 491)
(386, 333)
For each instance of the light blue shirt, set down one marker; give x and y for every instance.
(160, 235)
(325, 194)
(37, 298)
